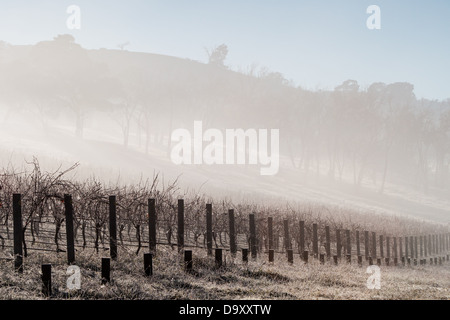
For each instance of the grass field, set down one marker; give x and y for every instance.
(257, 280)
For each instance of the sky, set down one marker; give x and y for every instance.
(316, 44)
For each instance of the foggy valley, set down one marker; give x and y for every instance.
(375, 148)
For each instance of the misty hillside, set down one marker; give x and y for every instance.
(375, 148)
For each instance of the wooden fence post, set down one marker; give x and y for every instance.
(430, 245)
(328, 240)
(233, 247)
(46, 280)
(252, 235)
(188, 260)
(302, 236)
(406, 248)
(180, 231)
(338, 243)
(209, 241)
(271, 255)
(395, 248)
(348, 239)
(400, 239)
(374, 245)
(358, 244)
(448, 242)
(290, 256)
(435, 251)
(270, 231)
(411, 246)
(218, 257)
(322, 258)
(305, 256)
(366, 244)
(381, 246)
(69, 228)
(433, 241)
(425, 246)
(112, 228)
(18, 232)
(445, 242)
(106, 270)
(287, 240)
(421, 246)
(315, 241)
(438, 238)
(148, 264)
(245, 255)
(388, 247)
(416, 251)
(152, 226)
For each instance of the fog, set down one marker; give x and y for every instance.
(114, 111)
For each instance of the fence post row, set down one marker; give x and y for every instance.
(69, 229)
(416, 247)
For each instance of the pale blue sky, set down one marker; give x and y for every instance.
(317, 44)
